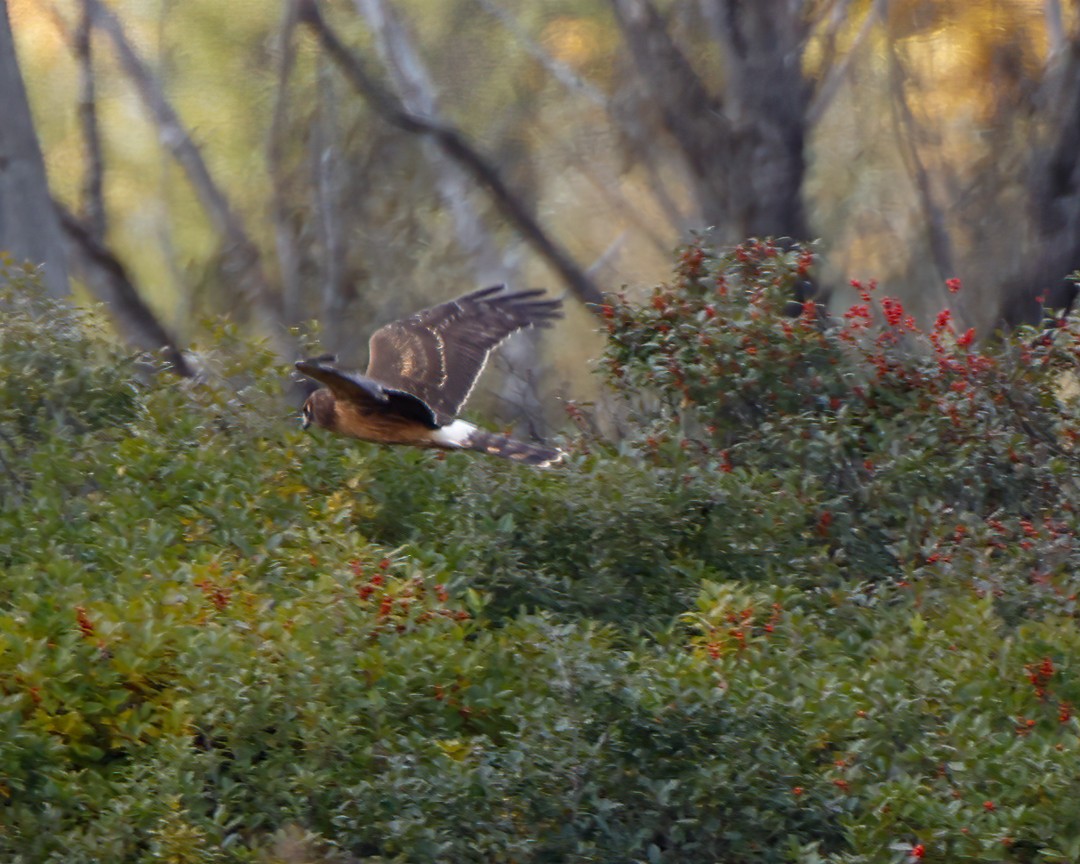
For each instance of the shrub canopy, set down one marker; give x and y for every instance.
(817, 604)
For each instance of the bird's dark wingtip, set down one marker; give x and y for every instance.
(315, 362)
(484, 292)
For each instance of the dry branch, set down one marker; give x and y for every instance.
(838, 71)
(325, 158)
(93, 197)
(743, 144)
(1055, 27)
(84, 238)
(627, 124)
(240, 255)
(691, 115)
(288, 257)
(108, 280)
(454, 144)
(417, 93)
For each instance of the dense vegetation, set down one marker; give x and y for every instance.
(818, 604)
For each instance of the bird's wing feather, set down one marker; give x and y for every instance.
(367, 394)
(438, 353)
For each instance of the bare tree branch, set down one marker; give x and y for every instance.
(93, 198)
(745, 144)
(837, 73)
(604, 259)
(557, 69)
(451, 141)
(1053, 182)
(284, 238)
(240, 256)
(107, 278)
(632, 131)
(690, 114)
(102, 272)
(1055, 27)
(324, 159)
(418, 96)
(937, 228)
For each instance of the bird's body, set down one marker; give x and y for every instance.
(421, 370)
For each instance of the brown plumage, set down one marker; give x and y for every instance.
(421, 370)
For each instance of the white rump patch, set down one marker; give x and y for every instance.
(456, 434)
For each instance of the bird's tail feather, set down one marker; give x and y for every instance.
(510, 448)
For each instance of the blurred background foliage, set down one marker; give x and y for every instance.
(920, 140)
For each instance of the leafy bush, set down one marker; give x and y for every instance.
(204, 658)
(602, 538)
(820, 605)
(865, 443)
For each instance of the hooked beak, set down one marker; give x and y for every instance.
(305, 421)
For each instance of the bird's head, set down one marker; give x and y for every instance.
(319, 409)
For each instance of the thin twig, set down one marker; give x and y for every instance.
(631, 132)
(557, 69)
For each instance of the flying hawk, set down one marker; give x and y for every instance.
(421, 370)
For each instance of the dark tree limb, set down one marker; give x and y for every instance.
(454, 144)
(744, 144)
(692, 116)
(93, 198)
(86, 252)
(1053, 186)
(108, 280)
(627, 124)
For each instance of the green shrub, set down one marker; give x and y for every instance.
(790, 621)
(60, 372)
(865, 442)
(601, 538)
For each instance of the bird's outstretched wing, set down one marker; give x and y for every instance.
(367, 395)
(438, 353)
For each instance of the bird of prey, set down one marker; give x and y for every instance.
(421, 370)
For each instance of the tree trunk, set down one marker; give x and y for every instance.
(29, 228)
(1054, 197)
(743, 145)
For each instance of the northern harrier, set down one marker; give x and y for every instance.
(421, 370)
